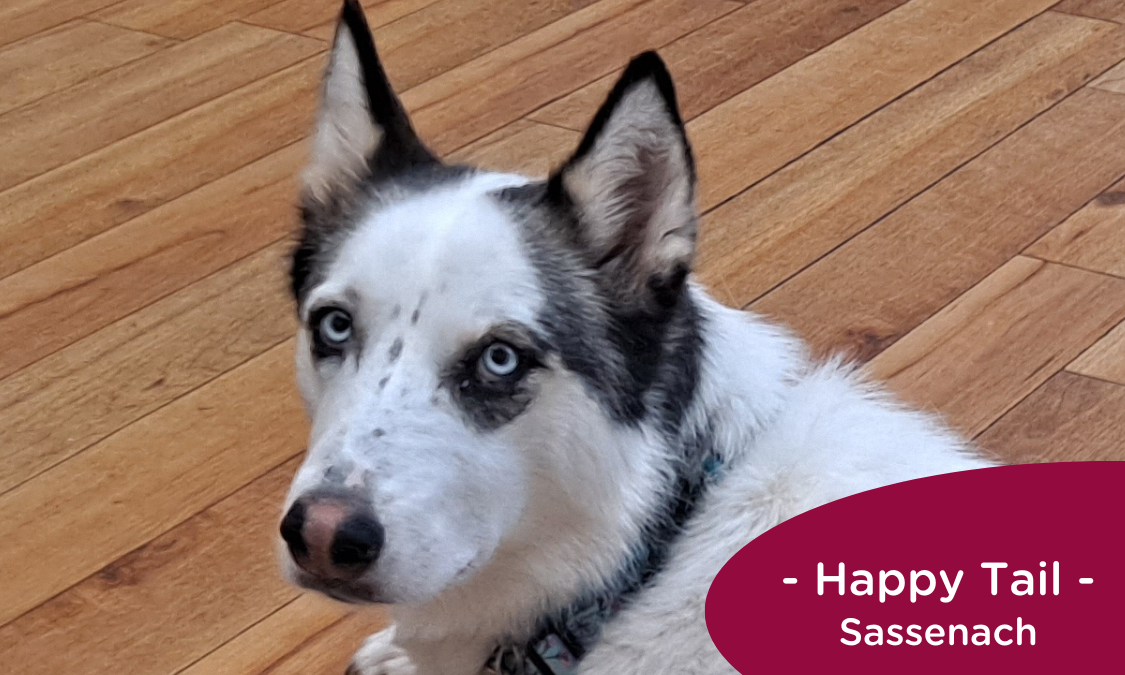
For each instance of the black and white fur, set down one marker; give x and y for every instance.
(504, 499)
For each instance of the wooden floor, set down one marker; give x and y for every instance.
(931, 185)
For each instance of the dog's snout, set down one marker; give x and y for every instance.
(331, 537)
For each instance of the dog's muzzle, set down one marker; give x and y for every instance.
(333, 537)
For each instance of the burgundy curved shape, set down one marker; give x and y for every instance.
(1071, 513)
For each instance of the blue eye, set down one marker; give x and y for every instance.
(499, 359)
(335, 328)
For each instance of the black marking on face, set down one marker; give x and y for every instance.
(418, 310)
(383, 382)
(396, 350)
(491, 401)
(335, 475)
(640, 360)
(379, 432)
(396, 312)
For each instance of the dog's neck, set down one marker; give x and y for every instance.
(609, 540)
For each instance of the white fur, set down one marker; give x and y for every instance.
(486, 531)
(832, 435)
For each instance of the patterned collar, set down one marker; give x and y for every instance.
(565, 637)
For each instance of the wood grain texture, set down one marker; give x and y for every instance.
(1105, 360)
(895, 274)
(1092, 238)
(788, 121)
(1069, 419)
(277, 639)
(61, 405)
(509, 56)
(1112, 80)
(446, 34)
(764, 235)
(23, 18)
(72, 123)
(56, 59)
(991, 347)
(716, 62)
(181, 19)
(523, 147)
(84, 288)
(147, 478)
(330, 651)
(150, 168)
(940, 171)
(1110, 10)
(472, 101)
(317, 17)
(143, 613)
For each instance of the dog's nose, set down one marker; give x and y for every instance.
(331, 537)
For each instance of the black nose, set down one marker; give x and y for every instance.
(332, 537)
(358, 542)
(291, 526)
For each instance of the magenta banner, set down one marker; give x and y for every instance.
(1012, 567)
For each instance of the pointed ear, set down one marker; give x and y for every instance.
(632, 185)
(362, 128)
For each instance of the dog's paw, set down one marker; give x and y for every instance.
(379, 655)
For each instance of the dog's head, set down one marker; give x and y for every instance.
(478, 351)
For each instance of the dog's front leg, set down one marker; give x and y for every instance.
(383, 654)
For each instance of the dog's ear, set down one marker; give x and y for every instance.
(362, 129)
(631, 184)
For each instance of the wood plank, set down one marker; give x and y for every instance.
(733, 54)
(1105, 360)
(147, 478)
(895, 274)
(508, 56)
(181, 19)
(84, 288)
(1069, 419)
(153, 611)
(523, 147)
(1112, 80)
(56, 59)
(318, 18)
(994, 345)
(76, 397)
(826, 92)
(69, 124)
(471, 101)
(773, 230)
(150, 168)
(1110, 10)
(23, 18)
(280, 636)
(446, 34)
(452, 32)
(1092, 237)
(331, 650)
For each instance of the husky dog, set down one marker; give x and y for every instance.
(533, 434)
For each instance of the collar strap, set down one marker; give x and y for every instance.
(565, 637)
